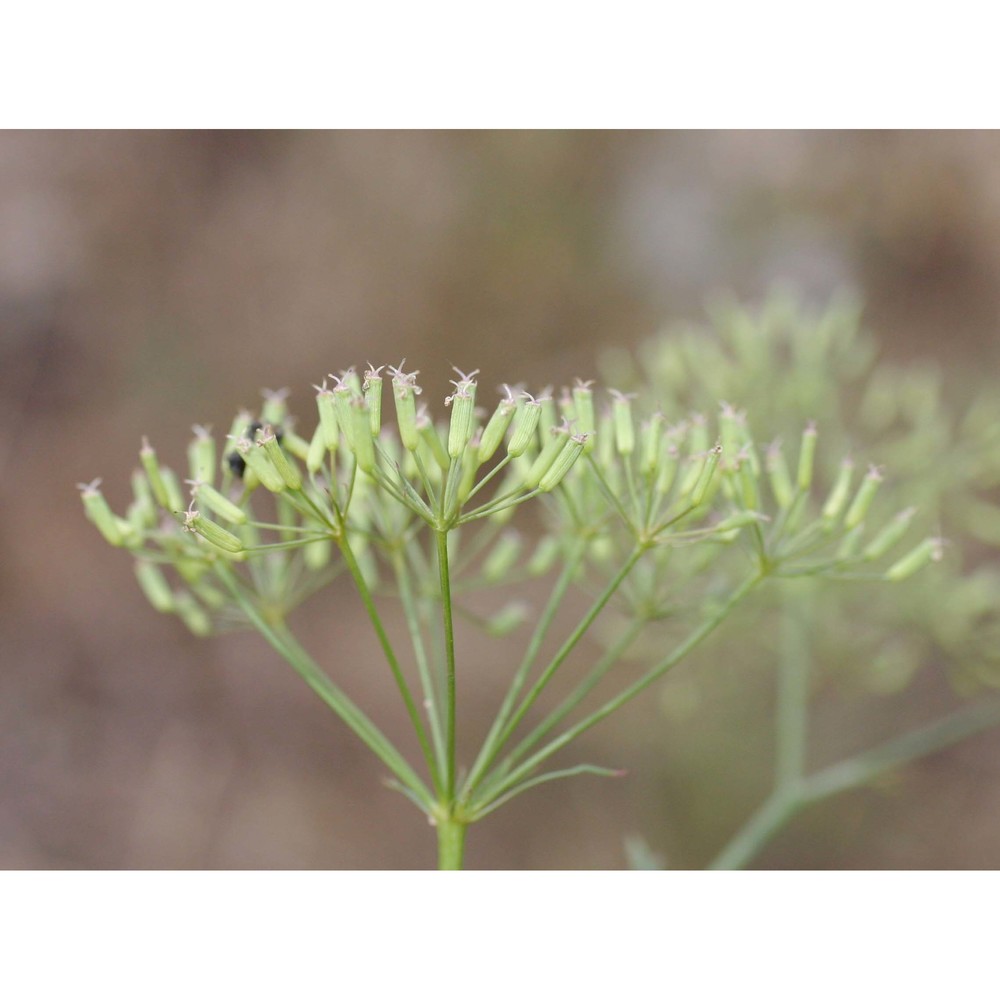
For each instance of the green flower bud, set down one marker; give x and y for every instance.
(463, 413)
(286, 469)
(929, 550)
(564, 461)
(213, 533)
(100, 514)
(621, 414)
(863, 498)
(837, 499)
(778, 476)
(372, 388)
(208, 495)
(496, 427)
(525, 421)
(503, 557)
(807, 457)
(154, 585)
(889, 535)
(201, 455)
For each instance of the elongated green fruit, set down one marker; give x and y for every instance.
(213, 533)
(218, 504)
(929, 550)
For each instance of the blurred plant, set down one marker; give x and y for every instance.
(786, 362)
(672, 521)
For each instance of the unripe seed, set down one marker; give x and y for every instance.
(564, 461)
(317, 450)
(154, 585)
(621, 415)
(175, 495)
(372, 388)
(650, 439)
(152, 466)
(705, 475)
(213, 533)
(837, 499)
(463, 414)
(929, 550)
(201, 455)
(192, 614)
(548, 416)
(503, 556)
(286, 469)
(863, 499)
(404, 392)
(558, 439)
(889, 535)
(807, 457)
(362, 439)
(218, 504)
(507, 619)
(544, 556)
(275, 408)
(496, 427)
(100, 514)
(295, 445)
(583, 406)
(327, 417)
(525, 421)
(779, 477)
(260, 465)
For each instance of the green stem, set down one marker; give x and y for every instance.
(792, 714)
(492, 743)
(414, 624)
(451, 844)
(679, 652)
(449, 644)
(284, 643)
(390, 655)
(776, 811)
(596, 675)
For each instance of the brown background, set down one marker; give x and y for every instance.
(152, 280)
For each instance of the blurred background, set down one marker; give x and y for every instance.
(149, 281)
